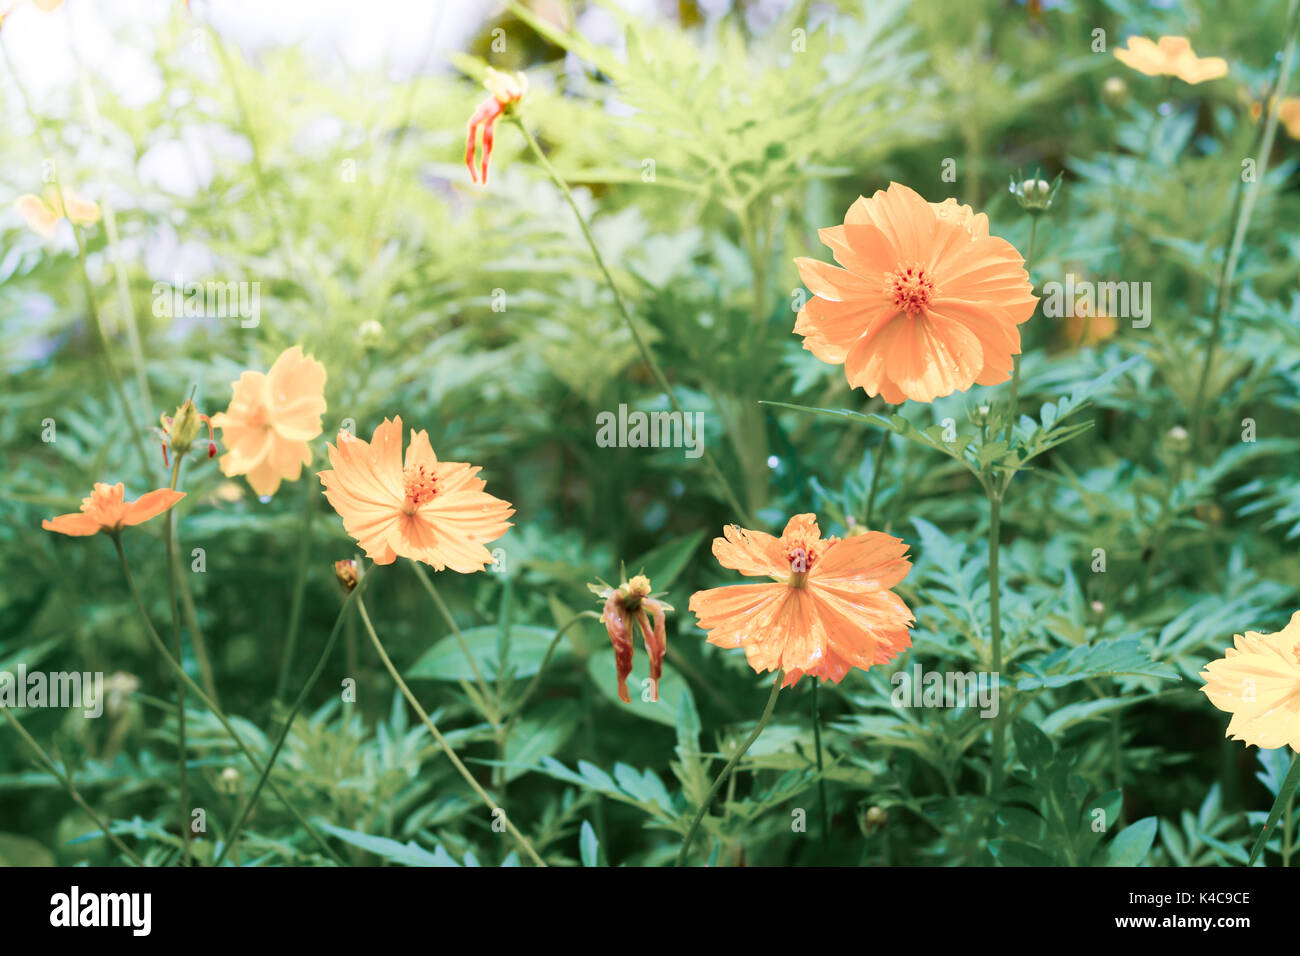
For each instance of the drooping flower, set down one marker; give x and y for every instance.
(424, 509)
(1258, 682)
(106, 509)
(927, 302)
(828, 607)
(42, 216)
(626, 607)
(506, 91)
(1171, 56)
(271, 419)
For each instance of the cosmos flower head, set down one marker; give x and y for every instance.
(925, 302)
(1170, 56)
(106, 509)
(1258, 682)
(826, 608)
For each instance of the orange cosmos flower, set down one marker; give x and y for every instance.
(271, 418)
(1258, 682)
(625, 605)
(828, 608)
(424, 509)
(927, 302)
(506, 91)
(43, 216)
(106, 509)
(1172, 56)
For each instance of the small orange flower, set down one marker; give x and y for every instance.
(506, 91)
(1172, 56)
(106, 509)
(625, 605)
(427, 510)
(927, 302)
(1258, 682)
(271, 419)
(828, 609)
(43, 216)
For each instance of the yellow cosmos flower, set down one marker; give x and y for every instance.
(1171, 56)
(1258, 682)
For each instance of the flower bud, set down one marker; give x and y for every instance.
(182, 428)
(1035, 195)
(348, 573)
(1114, 91)
(874, 820)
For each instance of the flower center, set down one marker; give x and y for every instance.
(420, 486)
(911, 289)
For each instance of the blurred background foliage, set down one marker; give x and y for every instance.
(707, 143)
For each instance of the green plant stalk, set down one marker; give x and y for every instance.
(182, 751)
(483, 795)
(319, 669)
(1015, 359)
(877, 467)
(66, 781)
(726, 771)
(460, 638)
(1242, 208)
(644, 349)
(551, 648)
(195, 689)
(299, 591)
(1284, 797)
(995, 627)
(821, 781)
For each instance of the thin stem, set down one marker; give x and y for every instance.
(442, 741)
(1242, 208)
(182, 752)
(288, 722)
(455, 629)
(1015, 367)
(644, 349)
(299, 590)
(195, 689)
(877, 468)
(66, 781)
(995, 626)
(731, 765)
(821, 781)
(518, 706)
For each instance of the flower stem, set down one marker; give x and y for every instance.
(233, 835)
(66, 781)
(437, 735)
(299, 591)
(821, 781)
(1015, 361)
(518, 706)
(195, 689)
(644, 349)
(455, 630)
(995, 626)
(182, 752)
(731, 765)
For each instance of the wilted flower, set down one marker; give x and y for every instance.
(106, 509)
(271, 419)
(1258, 682)
(927, 303)
(428, 510)
(625, 606)
(1171, 56)
(506, 91)
(42, 216)
(828, 608)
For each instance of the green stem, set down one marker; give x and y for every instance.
(299, 590)
(437, 735)
(518, 707)
(1284, 797)
(1242, 208)
(182, 752)
(644, 349)
(726, 771)
(197, 691)
(1015, 361)
(821, 781)
(66, 781)
(288, 722)
(995, 626)
(455, 630)
(877, 468)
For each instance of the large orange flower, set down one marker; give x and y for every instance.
(106, 509)
(271, 418)
(1171, 56)
(827, 609)
(1258, 682)
(429, 510)
(927, 303)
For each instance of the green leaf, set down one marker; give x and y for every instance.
(1113, 657)
(588, 846)
(1015, 853)
(407, 854)
(663, 565)
(671, 688)
(1032, 745)
(446, 660)
(1288, 790)
(1130, 846)
(540, 735)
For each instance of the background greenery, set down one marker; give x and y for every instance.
(389, 277)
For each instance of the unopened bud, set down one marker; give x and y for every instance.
(1114, 91)
(874, 820)
(348, 573)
